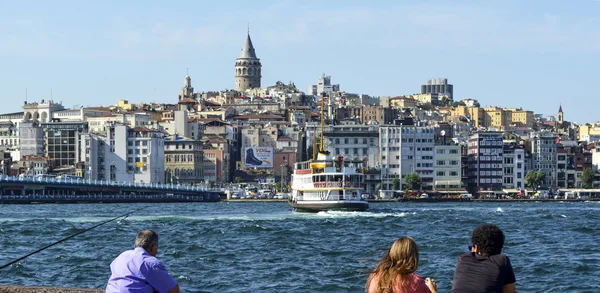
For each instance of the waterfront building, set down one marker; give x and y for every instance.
(9, 130)
(34, 165)
(543, 150)
(354, 142)
(122, 153)
(514, 166)
(183, 160)
(447, 175)
(217, 160)
(485, 173)
(438, 86)
(247, 68)
(31, 138)
(406, 149)
(62, 144)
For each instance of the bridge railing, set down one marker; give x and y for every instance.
(95, 182)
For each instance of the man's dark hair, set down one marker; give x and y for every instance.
(488, 238)
(146, 239)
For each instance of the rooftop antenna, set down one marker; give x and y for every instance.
(248, 28)
(187, 72)
(25, 95)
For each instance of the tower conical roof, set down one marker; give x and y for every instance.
(560, 109)
(248, 50)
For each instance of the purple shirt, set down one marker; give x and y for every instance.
(136, 271)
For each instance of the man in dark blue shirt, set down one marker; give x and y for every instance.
(485, 268)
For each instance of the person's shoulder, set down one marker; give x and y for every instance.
(500, 258)
(466, 255)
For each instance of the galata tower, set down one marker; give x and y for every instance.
(247, 68)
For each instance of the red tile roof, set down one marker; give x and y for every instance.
(258, 117)
(187, 100)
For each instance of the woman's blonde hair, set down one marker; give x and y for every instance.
(401, 260)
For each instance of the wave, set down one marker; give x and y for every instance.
(341, 214)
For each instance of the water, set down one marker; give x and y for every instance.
(264, 247)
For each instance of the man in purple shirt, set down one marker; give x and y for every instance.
(139, 271)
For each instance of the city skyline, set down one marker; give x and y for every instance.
(516, 55)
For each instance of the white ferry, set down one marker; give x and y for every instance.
(324, 184)
(328, 184)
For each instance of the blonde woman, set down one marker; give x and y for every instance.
(395, 273)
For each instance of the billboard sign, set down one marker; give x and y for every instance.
(258, 157)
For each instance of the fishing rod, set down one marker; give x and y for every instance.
(67, 238)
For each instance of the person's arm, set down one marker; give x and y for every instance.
(431, 285)
(372, 285)
(509, 288)
(158, 277)
(175, 289)
(510, 283)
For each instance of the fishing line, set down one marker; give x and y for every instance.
(67, 238)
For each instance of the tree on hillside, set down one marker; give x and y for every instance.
(395, 184)
(588, 177)
(413, 181)
(459, 103)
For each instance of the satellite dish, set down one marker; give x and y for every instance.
(443, 133)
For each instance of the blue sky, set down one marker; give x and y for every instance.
(531, 54)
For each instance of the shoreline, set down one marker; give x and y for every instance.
(432, 200)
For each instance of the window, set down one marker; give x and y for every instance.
(440, 173)
(250, 131)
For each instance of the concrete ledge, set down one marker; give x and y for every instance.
(28, 289)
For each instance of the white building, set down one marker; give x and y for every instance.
(406, 149)
(359, 142)
(513, 167)
(98, 124)
(124, 154)
(447, 167)
(182, 126)
(596, 157)
(323, 86)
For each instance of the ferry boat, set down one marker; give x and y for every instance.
(328, 184)
(325, 183)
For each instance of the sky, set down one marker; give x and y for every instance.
(537, 55)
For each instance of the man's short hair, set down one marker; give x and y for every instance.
(146, 239)
(488, 238)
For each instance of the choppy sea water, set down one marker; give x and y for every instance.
(265, 247)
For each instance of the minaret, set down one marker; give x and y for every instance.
(247, 67)
(561, 117)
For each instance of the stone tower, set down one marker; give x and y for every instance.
(187, 92)
(561, 116)
(247, 68)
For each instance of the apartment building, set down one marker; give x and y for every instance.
(513, 166)
(123, 153)
(360, 142)
(544, 152)
(406, 149)
(183, 160)
(447, 159)
(485, 164)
